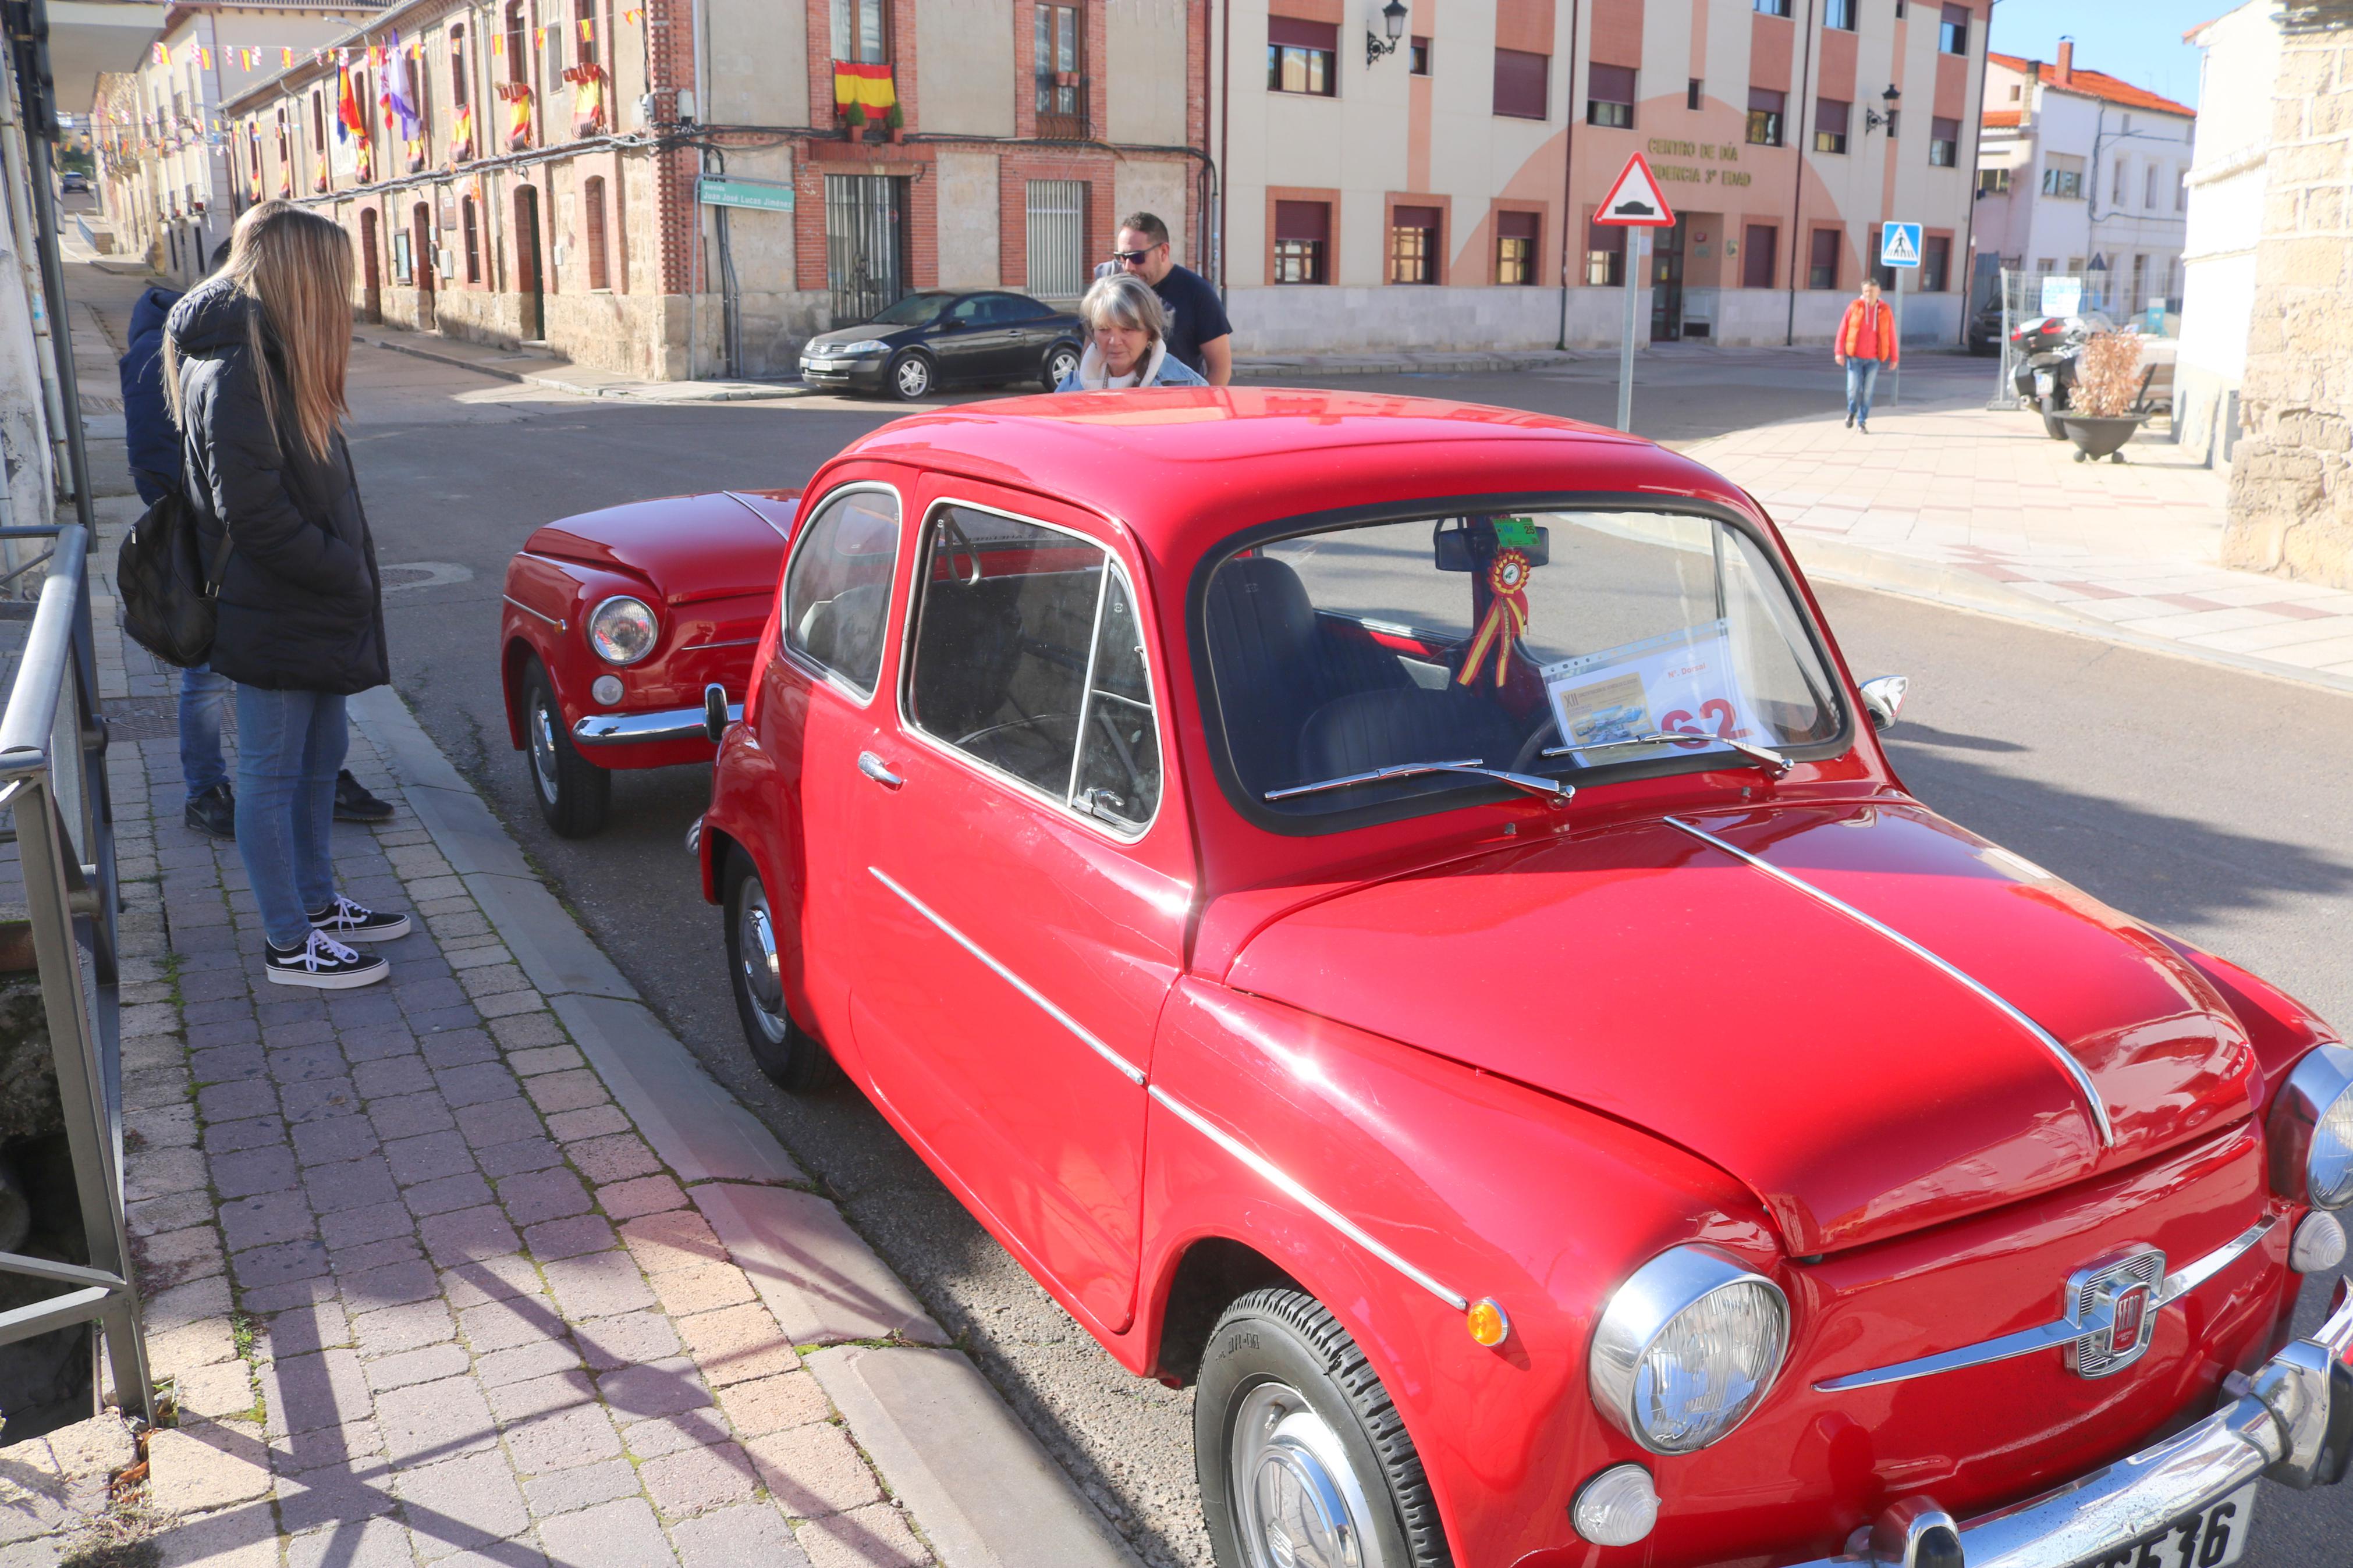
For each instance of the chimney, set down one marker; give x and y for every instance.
(2067, 72)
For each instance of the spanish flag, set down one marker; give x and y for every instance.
(867, 84)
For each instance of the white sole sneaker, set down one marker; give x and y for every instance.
(348, 922)
(322, 964)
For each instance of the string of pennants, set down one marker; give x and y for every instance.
(252, 58)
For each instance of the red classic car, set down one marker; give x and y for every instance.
(617, 622)
(1396, 914)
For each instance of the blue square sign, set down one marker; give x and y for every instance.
(1899, 245)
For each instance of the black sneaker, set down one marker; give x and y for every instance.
(323, 962)
(353, 803)
(213, 813)
(1849, 418)
(347, 921)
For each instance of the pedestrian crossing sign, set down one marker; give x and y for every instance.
(1899, 245)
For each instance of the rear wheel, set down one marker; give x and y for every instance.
(1303, 1459)
(573, 794)
(1061, 361)
(909, 377)
(789, 1055)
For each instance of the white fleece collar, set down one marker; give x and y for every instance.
(1095, 376)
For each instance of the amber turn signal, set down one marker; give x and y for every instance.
(1487, 1323)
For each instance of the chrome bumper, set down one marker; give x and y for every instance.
(2292, 1422)
(636, 729)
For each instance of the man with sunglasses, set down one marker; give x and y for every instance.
(1198, 334)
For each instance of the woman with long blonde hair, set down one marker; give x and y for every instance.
(254, 360)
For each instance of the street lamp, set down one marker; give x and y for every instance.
(1393, 23)
(1872, 119)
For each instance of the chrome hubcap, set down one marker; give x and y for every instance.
(914, 379)
(542, 749)
(763, 979)
(1298, 1503)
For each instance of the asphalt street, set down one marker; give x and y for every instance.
(2206, 800)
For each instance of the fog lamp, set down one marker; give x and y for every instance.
(1616, 1508)
(2319, 1244)
(605, 688)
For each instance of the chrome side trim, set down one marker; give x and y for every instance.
(2092, 1107)
(1283, 1181)
(731, 642)
(2065, 1329)
(636, 729)
(763, 516)
(1126, 1068)
(527, 610)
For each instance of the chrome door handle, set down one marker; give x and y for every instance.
(871, 766)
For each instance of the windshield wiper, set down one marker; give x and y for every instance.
(1551, 789)
(1749, 749)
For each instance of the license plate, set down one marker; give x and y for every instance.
(2210, 1537)
(2044, 382)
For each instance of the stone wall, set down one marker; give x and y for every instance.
(2291, 507)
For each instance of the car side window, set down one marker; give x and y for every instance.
(1028, 658)
(971, 312)
(1004, 310)
(837, 590)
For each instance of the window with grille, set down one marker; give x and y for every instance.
(1609, 95)
(1765, 107)
(591, 201)
(1605, 256)
(1413, 245)
(1944, 144)
(1303, 241)
(1522, 84)
(1760, 249)
(1057, 239)
(1823, 267)
(1301, 57)
(1829, 124)
(1516, 243)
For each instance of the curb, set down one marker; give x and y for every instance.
(818, 1279)
(637, 391)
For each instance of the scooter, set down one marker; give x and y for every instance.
(2046, 352)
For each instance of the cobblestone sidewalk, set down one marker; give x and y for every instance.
(421, 1291)
(1987, 498)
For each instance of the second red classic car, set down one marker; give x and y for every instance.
(1397, 914)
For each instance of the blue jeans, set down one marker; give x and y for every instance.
(289, 745)
(1861, 376)
(203, 694)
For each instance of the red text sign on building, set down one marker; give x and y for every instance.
(1635, 200)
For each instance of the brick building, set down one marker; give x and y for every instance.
(1441, 193)
(543, 185)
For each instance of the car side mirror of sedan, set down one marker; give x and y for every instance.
(1882, 698)
(714, 713)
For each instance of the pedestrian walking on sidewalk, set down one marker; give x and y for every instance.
(1127, 340)
(154, 445)
(1866, 341)
(254, 360)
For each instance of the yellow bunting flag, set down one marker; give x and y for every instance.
(588, 31)
(631, 16)
(539, 37)
(498, 44)
(163, 55)
(285, 58)
(205, 57)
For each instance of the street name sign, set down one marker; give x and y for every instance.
(1635, 201)
(1899, 245)
(762, 196)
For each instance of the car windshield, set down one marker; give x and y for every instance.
(914, 310)
(1553, 643)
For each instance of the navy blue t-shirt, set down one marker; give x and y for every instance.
(1195, 316)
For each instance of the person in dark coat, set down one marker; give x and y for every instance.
(154, 445)
(254, 357)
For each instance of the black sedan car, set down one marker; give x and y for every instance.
(940, 337)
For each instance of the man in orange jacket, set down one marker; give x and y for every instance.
(1866, 341)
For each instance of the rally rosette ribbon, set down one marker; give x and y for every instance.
(1507, 617)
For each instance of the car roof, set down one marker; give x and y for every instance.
(1185, 467)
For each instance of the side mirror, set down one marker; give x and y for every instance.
(1882, 698)
(715, 718)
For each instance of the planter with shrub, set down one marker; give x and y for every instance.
(2103, 414)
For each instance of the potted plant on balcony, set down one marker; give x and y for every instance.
(894, 121)
(2103, 412)
(853, 121)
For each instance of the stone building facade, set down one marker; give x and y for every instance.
(2291, 507)
(545, 187)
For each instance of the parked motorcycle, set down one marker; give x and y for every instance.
(2046, 349)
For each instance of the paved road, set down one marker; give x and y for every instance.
(2209, 801)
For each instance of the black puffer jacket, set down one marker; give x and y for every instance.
(301, 606)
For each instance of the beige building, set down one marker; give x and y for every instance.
(1439, 193)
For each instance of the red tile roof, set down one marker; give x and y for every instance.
(2092, 84)
(2003, 119)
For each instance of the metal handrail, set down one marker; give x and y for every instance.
(53, 777)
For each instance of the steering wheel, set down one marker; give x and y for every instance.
(1531, 749)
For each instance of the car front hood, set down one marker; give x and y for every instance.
(1858, 1090)
(842, 336)
(687, 547)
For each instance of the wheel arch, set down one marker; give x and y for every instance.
(513, 660)
(1201, 1280)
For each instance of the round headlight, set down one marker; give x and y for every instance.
(622, 630)
(2311, 1131)
(1687, 1349)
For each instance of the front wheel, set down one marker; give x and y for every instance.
(573, 794)
(789, 1055)
(1061, 360)
(909, 377)
(1303, 1459)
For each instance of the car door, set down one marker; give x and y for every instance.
(1027, 883)
(1015, 349)
(959, 340)
(816, 715)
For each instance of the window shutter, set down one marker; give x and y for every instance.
(1291, 32)
(1611, 84)
(1521, 84)
(1516, 226)
(1302, 220)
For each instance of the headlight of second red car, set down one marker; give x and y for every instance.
(2311, 1131)
(1687, 1349)
(622, 630)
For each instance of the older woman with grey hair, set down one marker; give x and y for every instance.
(1128, 342)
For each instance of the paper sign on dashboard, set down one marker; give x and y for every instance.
(1680, 680)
